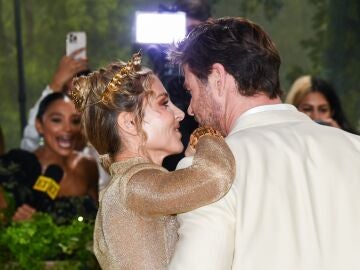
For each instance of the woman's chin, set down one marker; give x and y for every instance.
(179, 149)
(64, 152)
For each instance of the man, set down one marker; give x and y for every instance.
(295, 200)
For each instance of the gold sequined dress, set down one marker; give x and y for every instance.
(136, 226)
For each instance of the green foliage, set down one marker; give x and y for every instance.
(108, 25)
(271, 7)
(316, 45)
(28, 244)
(8, 212)
(333, 49)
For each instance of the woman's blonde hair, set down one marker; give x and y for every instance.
(299, 89)
(101, 107)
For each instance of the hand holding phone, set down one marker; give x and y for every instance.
(76, 45)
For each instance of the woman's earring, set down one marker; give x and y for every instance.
(41, 140)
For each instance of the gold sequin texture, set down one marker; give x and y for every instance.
(136, 227)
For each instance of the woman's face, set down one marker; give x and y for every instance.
(161, 124)
(316, 106)
(60, 127)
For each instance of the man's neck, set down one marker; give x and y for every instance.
(237, 105)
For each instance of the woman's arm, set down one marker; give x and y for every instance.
(155, 192)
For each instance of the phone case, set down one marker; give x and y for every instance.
(75, 41)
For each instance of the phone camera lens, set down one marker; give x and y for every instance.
(73, 38)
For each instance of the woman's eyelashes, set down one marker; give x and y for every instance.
(76, 121)
(164, 102)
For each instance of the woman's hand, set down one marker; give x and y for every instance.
(331, 122)
(67, 69)
(24, 212)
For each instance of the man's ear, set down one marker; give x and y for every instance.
(217, 78)
(126, 122)
(39, 126)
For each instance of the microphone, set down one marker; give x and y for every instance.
(46, 186)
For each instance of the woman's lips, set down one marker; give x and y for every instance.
(65, 141)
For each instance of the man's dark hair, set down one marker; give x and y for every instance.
(242, 47)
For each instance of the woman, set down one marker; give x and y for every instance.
(318, 99)
(127, 115)
(59, 124)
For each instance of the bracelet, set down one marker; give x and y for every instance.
(202, 131)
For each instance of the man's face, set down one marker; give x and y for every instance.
(203, 105)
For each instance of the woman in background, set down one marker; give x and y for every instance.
(318, 99)
(129, 118)
(59, 124)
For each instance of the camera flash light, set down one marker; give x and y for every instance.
(160, 28)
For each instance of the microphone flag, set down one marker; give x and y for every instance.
(48, 183)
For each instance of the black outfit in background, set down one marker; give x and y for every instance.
(19, 171)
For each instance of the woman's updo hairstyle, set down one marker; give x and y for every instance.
(103, 94)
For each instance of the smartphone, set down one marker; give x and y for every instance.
(159, 27)
(75, 41)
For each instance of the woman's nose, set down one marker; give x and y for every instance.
(315, 115)
(179, 114)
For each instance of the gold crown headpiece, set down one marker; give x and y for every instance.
(131, 67)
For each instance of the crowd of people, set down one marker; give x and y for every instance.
(260, 184)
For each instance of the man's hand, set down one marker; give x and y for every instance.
(189, 151)
(67, 69)
(24, 212)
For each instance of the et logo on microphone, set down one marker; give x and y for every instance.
(48, 185)
(49, 182)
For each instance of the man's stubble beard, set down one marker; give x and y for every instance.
(212, 111)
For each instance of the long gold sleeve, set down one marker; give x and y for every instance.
(155, 192)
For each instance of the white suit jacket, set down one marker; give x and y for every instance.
(295, 202)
